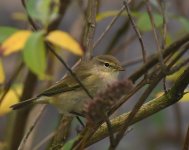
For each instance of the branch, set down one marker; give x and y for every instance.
(11, 81)
(153, 60)
(186, 143)
(108, 27)
(21, 116)
(148, 109)
(125, 3)
(90, 28)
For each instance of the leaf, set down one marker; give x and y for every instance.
(103, 15)
(184, 22)
(2, 74)
(44, 11)
(15, 42)
(11, 98)
(64, 40)
(34, 54)
(144, 24)
(185, 98)
(5, 32)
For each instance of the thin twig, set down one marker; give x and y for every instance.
(177, 67)
(11, 81)
(46, 139)
(135, 110)
(122, 31)
(161, 61)
(60, 59)
(69, 70)
(114, 19)
(125, 3)
(132, 62)
(33, 125)
(110, 131)
(90, 28)
(186, 143)
(164, 33)
(153, 59)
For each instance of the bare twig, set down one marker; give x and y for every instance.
(90, 28)
(121, 32)
(135, 110)
(62, 132)
(60, 59)
(186, 143)
(47, 138)
(148, 109)
(164, 33)
(132, 62)
(33, 125)
(69, 70)
(136, 30)
(153, 59)
(111, 134)
(108, 27)
(21, 116)
(161, 61)
(177, 67)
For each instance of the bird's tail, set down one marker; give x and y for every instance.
(23, 104)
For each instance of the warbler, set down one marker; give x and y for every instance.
(68, 96)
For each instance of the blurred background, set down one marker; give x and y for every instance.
(164, 130)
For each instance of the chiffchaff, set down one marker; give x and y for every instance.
(68, 96)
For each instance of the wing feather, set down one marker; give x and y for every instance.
(63, 86)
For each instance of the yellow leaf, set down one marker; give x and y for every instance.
(15, 42)
(2, 74)
(10, 99)
(185, 98)
(64, 40)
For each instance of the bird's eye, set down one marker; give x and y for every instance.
(106, 64)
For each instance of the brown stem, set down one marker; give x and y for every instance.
(21, 116)
(90, 28)
(154, 59)
(186, 143)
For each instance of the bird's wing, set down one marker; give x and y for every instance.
(63, 86)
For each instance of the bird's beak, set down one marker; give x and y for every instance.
(120, 68)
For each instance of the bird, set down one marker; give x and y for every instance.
(68, 96)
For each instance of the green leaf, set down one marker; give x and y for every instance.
(144, 24)
(34, 54)
(42, 10)
(68, 145)
(184, 22)
(103, 15)
(5, 32)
